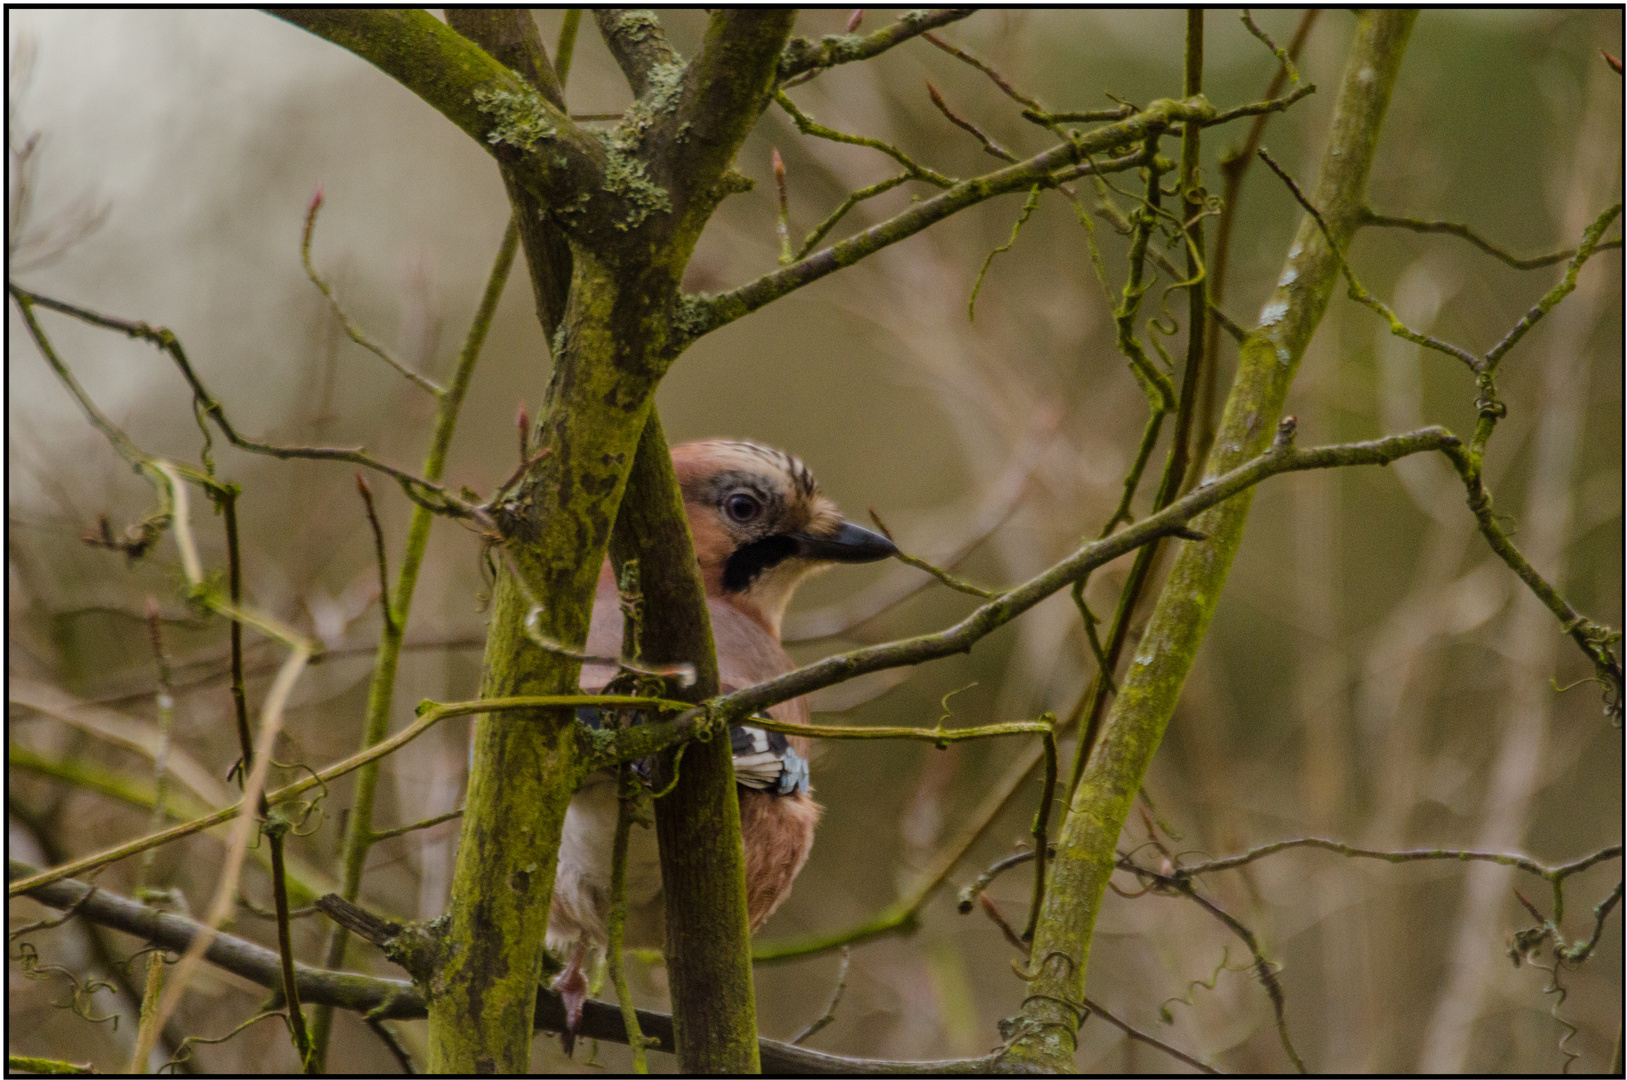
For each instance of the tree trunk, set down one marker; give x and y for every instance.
(1044, 1033)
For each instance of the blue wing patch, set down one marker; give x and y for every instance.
(763, 760)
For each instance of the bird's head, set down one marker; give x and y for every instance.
(761, 525)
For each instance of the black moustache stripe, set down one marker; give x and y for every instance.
(744, 565)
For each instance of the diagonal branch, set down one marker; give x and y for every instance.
(493, 105)
(1464, 232)
(724, 90)
(805, 58)
(649, 738)
(398, 999)
(425, 493)
(706, 314)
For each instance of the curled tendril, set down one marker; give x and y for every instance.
(79, 1002)
(1189, 998)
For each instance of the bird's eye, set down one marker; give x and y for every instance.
(742, 507)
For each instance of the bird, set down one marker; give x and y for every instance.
(761, 527)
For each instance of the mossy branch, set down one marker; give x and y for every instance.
(637, 43)
(803, 59)
(358, 836)
(1044, 1036)
(1077, 156)
(809, 126)
(552, 157)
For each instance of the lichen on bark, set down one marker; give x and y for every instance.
(1042, 1037)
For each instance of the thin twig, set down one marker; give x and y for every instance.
(378, 552)
(227, 501)
(782, 224)
(1519, 862)
(1284, 57)
(424, 492)
(956, 583)
(351, 330)
(427, 823)
(430, 715)
(1264, 969)
(809, 126)
(1589, 246)
(829, 1015)
(276, 832)
(1029, 206)
(853, 199)
(1155, 1043)
(1042, 817)
(968, 895)
(378, 1027)
(1464, 232)
(994, 76)
(989, 145)
(994, 507)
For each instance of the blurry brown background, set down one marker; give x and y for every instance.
(1373, 674)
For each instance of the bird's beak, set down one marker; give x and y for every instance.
(849, 543)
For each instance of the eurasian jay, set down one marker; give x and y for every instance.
(760, 527)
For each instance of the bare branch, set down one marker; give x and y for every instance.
(806, 59)
(430, 495)
(398, 999)
(1157, 1044)
(990, 147)
(995, 506)
(1519, 862)
(1464, 232)
(705, 314)
(836, 993)
(354, 332)
(994, 76)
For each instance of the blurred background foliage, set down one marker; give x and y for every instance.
(1372, 675)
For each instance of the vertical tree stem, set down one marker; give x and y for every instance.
(147, 1027)
(358, 838)
(1093, 704)
(1052, 1007)
(566, 46)
(276, 834)
(1233, 166)
(227, 497)
(616, 923)
(703, 869)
